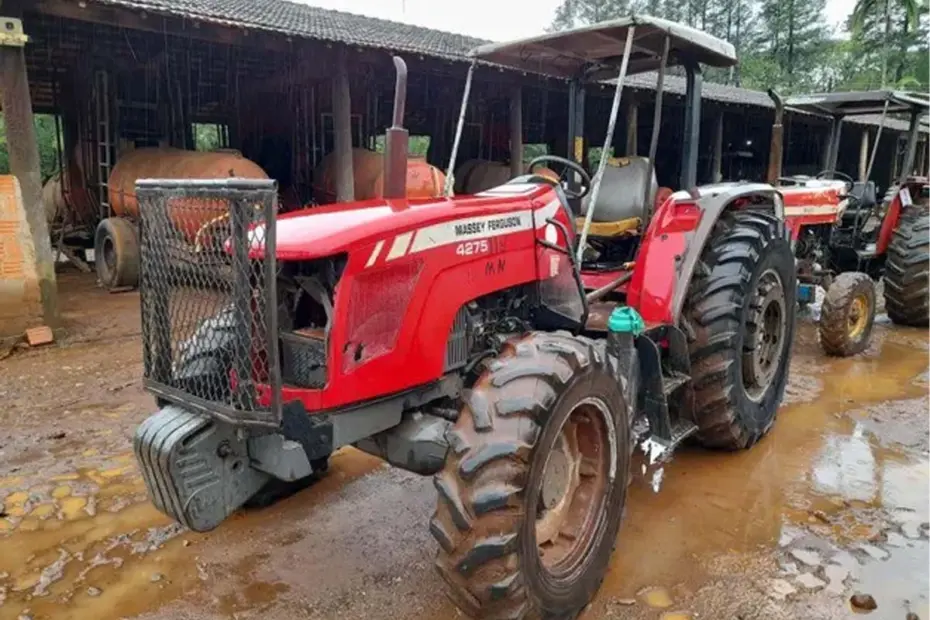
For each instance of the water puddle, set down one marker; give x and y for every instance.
(89, 544)
(826, 484)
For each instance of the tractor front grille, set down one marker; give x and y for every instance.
(303, 358)
(208, 288)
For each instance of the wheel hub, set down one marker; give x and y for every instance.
(766, 326)
(574, 486)
(858, 317)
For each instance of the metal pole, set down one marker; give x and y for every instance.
(911, 153)
(656, 124)
(878, 138)
(694, 84)
(608, 140)
(450, 181)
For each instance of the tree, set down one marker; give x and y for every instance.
(892, 41)
(864, 15)
(48, 148)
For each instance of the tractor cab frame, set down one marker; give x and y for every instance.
(612, 211)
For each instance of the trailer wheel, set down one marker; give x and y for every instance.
(740, 313)
(116, 253)
(907, 270)
(847, 315)
(532, 493)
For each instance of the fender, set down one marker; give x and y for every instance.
(675, 239)
(890, 221)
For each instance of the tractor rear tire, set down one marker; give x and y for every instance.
(116, 253)
(907, 270)
(541, 449)
(847, 315)
(739, 315)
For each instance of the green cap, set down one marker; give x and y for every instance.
(626, 320)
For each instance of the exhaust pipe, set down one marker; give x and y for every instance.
(778, 139)
(396, 139)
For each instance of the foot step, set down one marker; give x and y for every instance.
(660, 450)
(673, 381)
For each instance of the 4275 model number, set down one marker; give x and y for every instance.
(470, 248)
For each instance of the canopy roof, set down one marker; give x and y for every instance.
(862, 102)
(595, 52)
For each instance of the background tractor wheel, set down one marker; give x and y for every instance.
(116, 253)
(847, 315)
(739, 314)
(907, 270)
(532, 493)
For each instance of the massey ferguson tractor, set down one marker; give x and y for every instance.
(845, 237)
(516, 345)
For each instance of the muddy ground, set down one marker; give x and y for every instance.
(834, 502)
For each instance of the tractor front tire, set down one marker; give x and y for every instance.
(907, 270)
(739, 315)
(533, 490)
(116, 253)
(847, 315)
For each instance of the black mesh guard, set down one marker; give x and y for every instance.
(208, 294)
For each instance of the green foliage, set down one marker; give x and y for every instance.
(48, 149)
(787, 44)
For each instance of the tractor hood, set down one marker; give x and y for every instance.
(319, 232)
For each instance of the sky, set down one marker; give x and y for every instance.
(497, 20)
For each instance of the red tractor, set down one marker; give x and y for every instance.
(483, 340)
(845, 237)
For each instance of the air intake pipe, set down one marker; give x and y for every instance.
(396, 138)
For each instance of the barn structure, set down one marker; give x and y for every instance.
(284, 85)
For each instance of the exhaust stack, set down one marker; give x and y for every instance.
(396, 138)
(778, 139)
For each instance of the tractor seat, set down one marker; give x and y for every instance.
(862, 197)
(620, 201)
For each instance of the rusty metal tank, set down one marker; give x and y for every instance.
(53, 201)
(423, 180)
(478, 175)
(170, 163)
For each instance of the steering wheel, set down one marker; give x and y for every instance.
(566, 165)
(842, 176)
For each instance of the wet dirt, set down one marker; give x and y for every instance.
(834, 502)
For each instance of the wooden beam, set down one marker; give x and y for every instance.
(632, 127)
(717, 165)
(516, 131)
(342, 129)
(24, 165)
(864, 155)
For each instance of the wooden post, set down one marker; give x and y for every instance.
(717, 165)
(516, 131)
(632, 128)
(24, 165)
(342, 130)
(864, 156)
